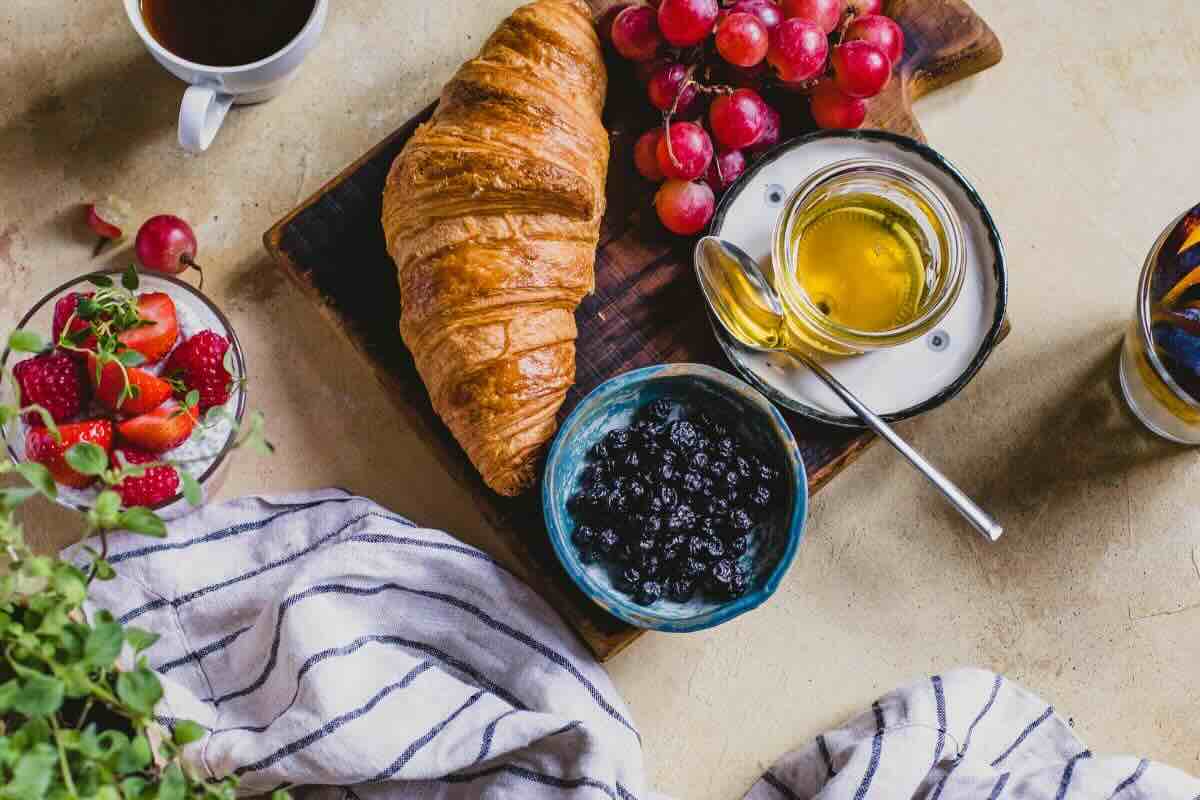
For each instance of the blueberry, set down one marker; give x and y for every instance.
(717, 469)
(682, 518)
(681, 589)
(740, 520)
(669, 456)
(649, 592)
(663, 500)
(721, 574)
(617, 440)
(629, 463)
(692, 482)
(692, 568)
(699, 460)
(713, 547)
(743, 467)
(628, 579)
(683, 435)
(651, 565)
(606, 541)
(709, 525)
(761, 496)
(739, 545)
(738, 586)
(717, 508)
(653, 524)
(618, 502)
(659, 410)
(583, 536)
(695, 546)
(597, 494)
(667, 472)
(767, 473)
(732, 478)
(647, 543)
(600, 451)
(726, 447)
(638, 493)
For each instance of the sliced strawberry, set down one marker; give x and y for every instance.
(155, 487)
(149, 393)
(153, 341)
(165, 427)
(63, 309)
(41, 447)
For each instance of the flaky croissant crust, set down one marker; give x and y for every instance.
(492, 215)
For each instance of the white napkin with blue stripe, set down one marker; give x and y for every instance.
(326, 643)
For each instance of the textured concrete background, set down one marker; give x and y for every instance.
(1083, 141)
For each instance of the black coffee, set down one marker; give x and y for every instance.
(225, 33)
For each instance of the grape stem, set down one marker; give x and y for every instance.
(689, 79)
(191, 263)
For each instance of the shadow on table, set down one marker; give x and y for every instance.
(1084, 434)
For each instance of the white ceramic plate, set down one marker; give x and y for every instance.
(899, 382)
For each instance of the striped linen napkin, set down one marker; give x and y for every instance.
(967, 735)
(324, 642)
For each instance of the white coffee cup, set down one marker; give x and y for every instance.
(214, 89)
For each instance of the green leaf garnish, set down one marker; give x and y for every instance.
(87, 458)
(139, 689)
(140, 639)
(23, 341)
(191, 488)
(192, 399)
(144, 521)
(187, 732)
(102, 281)
(131, 358)
(39, 478)
(129, 278)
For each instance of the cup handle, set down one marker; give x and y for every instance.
(200, 117)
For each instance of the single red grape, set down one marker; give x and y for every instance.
(604, 25)
(833, 109)
(166, 244)
(685, 150)
(684, 207)
(725, 168)
(861, 7)
(668, 83)
(798, 50)
(737, 119)
(742, 39)
(686, 22)
(767, 11)
(635, 33)
(860, 69)
(645, 155)
(825, 14)
(880, 31)
(771, 133)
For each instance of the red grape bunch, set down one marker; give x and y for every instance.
(706, 65)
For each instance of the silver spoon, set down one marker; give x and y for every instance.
(748, 307)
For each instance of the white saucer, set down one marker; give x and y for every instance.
(899, 382)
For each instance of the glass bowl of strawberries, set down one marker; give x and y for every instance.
(141, 365)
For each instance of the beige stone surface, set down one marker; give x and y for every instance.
(1084, 143)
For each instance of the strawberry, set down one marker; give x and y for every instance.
(200, 363)
(41, 447)
(165, 427)
(52, 381)
(150, 391)
(63, 310)
(155, 487)
(153, 341)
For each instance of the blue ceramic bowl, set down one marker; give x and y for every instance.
(614, 404)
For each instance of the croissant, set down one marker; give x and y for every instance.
(492, 215)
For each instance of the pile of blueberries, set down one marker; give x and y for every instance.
(671, 503)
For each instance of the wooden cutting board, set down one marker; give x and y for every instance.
(646, 308)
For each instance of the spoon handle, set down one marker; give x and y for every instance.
(979, 519)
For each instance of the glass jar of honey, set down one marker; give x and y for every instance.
(867, 255)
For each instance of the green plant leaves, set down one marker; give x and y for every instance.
(187, 732)
(191, 488)
(144, 521)
(103, 645)
(23, 341)
(38, 477)
(139, 689)
(135, 757)
(39, 696)
(103, 281)
(173, 786)
(32, 774)
(87, 458)
(131, 358)
(129, 278)
(140, 639)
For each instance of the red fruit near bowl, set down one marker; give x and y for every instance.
(798, 50)
(825, 14)
(767, 11)
(645, 155)
(635, 33)
(669, 89)
(685, 207)
(686, 22)
(881, 31)
(738, 119)
(726, 168)
(772, 133)
(832, 109)
(684, 151)
(742, 39)
(166, 243)
(860, 69)
(604, 25)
